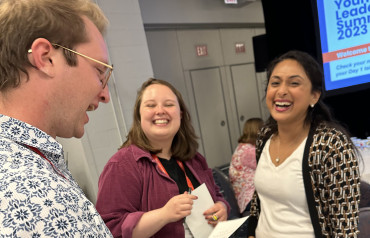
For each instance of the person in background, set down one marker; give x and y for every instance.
(53, 69)
(143, 189)
(243, 163)
(307, 178)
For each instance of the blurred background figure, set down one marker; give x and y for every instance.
(143, 189)
(243, 163)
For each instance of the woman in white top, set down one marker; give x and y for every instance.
(307, 178)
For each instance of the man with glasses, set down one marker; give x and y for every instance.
(53, 69)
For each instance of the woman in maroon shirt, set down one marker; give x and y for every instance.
(143, 188)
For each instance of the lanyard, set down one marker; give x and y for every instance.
(190, 185)
(43, 156)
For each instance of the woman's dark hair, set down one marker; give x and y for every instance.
(250, 131)
(318, 114)
(184, 145)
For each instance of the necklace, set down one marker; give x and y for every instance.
(277, 159)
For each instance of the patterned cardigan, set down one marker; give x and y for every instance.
(331, 180)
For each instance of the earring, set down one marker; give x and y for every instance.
(312, 105)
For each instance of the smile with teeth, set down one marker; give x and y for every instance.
(161, 121)
(91, 108)
(283, 104)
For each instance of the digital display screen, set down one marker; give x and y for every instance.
(344, 27)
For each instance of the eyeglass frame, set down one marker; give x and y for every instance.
(110, 67)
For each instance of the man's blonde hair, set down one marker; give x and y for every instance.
(23, 21)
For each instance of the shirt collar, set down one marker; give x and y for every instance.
(27, 134)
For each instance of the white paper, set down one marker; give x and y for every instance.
(199, 226)
(225, 229)
(196, 221)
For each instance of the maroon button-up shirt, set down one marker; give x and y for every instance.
(132, 184)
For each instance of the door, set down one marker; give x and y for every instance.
(212, 116)
(245, 92)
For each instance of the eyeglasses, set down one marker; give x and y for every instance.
(107, 72)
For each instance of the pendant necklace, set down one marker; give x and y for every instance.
(277, 159)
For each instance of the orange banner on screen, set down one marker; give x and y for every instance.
(346, 53)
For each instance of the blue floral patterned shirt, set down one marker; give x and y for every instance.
(36, 201)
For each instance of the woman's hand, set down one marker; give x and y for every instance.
(218, 212)
(175, 209)
(178, 207)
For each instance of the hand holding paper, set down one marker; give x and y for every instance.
(179, 206)
(197, 223)
(218, 212)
